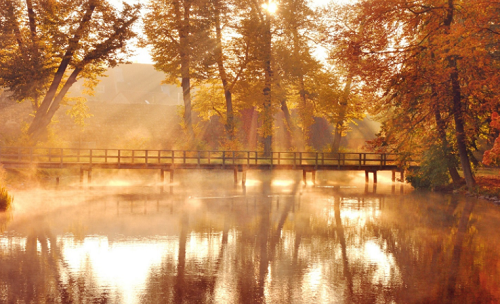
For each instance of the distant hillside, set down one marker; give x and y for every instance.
(135, 83)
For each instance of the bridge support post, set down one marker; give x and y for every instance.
(171, 176)
(402, 175)
(304, 176)
(243, 177)
(162, 176)
(235, 171)
(367, 179)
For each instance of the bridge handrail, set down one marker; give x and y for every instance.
(173, 157)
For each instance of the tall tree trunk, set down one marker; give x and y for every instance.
(185, 68)
(292, 128)
(223, 75)
(459, 127)
(267, 123)
(457, 107)
(305, 112)
(35, 60)
(182, 22)
(42, 120)
(445, 146)
(339, 126)
(40, 129)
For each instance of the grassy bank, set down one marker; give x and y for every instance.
(487, 185)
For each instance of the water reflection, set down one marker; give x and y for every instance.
(274, 242)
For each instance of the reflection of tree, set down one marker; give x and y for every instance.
(181, 261)
(37, 273)
(5, 218)
(429, 243)
(343, 246)
(183, 280)
(457, 251)
(274, 253)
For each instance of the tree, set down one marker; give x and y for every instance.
(48, 46)
(296, 66)
(492, 156)
(179, 33)
(344, 56)
(337, 103)
(430, 63)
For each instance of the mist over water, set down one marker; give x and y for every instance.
(203, 239)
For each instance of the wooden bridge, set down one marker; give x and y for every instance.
(170, 160)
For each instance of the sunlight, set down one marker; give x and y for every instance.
(386, 267)
(124, 265)
(118, 183)
(283, 182)
(315, 287)
(252, 182)
(271, 7)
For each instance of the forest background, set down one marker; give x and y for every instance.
(427, 70)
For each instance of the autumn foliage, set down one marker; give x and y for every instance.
(428, 71)
(492, 156)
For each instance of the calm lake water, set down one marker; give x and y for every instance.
(204, 240)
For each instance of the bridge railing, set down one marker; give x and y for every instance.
(175, 157)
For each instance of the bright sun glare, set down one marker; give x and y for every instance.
(271, 7)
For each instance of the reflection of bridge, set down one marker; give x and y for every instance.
(170, 160)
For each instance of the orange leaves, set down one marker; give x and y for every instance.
(495, 120)
(492, 156)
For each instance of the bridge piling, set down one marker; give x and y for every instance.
(304, 176)
(367, 178)
(402, 175)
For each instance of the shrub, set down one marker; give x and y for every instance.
(433, 171)
(5, 199)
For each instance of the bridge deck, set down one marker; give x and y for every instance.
(169, 160)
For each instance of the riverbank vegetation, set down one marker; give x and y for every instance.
(5, 199)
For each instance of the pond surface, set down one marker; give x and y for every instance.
(204, 240)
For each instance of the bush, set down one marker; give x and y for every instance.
(433, 171)
(5, 199)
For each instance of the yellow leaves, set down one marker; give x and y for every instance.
(78, 110)
(209, 100)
